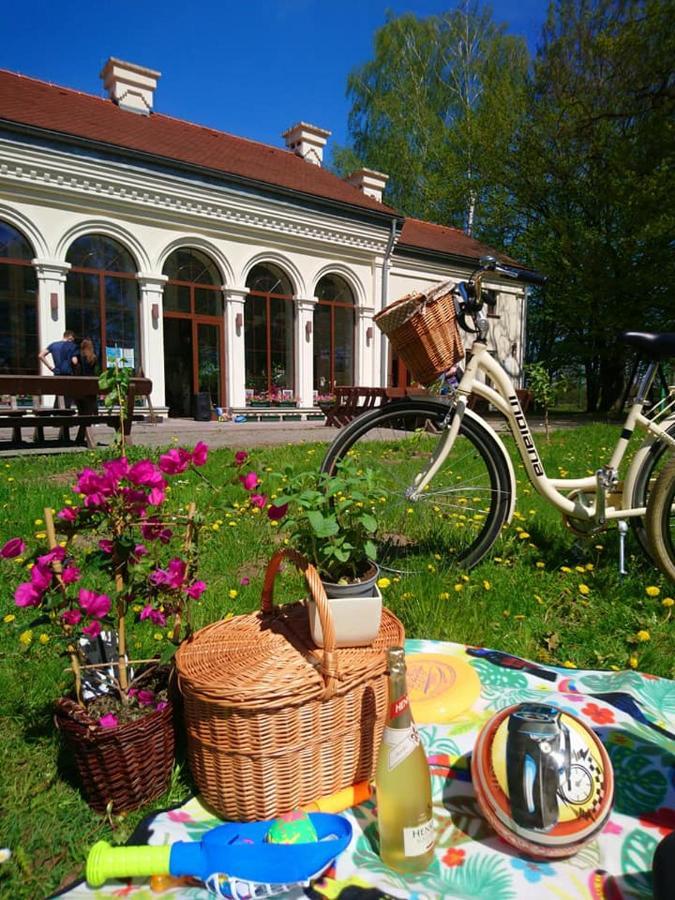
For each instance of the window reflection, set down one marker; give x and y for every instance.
(18, 304)
(334, 325)
(269, 343)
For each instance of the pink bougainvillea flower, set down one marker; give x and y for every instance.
(93, 629)
(94, 605)
(244, 581)
(140, 550)
(117, 468)
(14, 547)
(27, 594)
(106, 546)
(161, 704)
(152, 530)
(175, 461)
(108, 721)
(70, 575)
(176, 571)
(146, 474)
(58, 554)
(250, 480)
(156, 616)
(200, 454)
(277, 512)
(156, 496)
(71, 616)
(67, 514)
(145, 698)
(41, 576)
(259, 500)
(196, 590)
(240, 457)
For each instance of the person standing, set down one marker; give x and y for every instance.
(64, 358)
(87, 364)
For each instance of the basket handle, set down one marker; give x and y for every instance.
(329, 668)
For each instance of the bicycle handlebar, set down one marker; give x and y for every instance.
(490, 263)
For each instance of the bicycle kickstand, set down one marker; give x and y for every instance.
(623, 531)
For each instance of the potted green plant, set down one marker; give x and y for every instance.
(330, 520)
(117, 560)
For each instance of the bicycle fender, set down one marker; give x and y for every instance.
(648, 446)
(488, 429)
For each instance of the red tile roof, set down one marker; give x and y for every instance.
(422, 235)
(47, 106)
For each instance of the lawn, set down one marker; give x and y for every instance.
(540, 595)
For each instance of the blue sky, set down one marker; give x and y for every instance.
(250, 68)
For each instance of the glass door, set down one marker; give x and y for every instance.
(209, 369)
(178, 374)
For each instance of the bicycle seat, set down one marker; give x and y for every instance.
(656, 346)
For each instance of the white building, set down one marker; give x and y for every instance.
(213, 262)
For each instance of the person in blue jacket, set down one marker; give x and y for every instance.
(64, 358)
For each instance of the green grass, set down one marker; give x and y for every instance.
(521, 600)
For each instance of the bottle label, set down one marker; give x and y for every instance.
(401, 742)
(398, 706)
(419, 839)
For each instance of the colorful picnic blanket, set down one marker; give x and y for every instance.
(454, 690)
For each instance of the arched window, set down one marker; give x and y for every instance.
(193, 331)
(334, 324)
(102, 298)
(18, 304)
(268, 331)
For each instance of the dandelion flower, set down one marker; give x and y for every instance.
(459, 587)
(652, 591)
(643, 635)
(26, 637)
(568, 664)
(565, 569)
(383, 583)
(633, 662)
(44, 638)
(444, 596)
(667, 602)
(232, 593)
(486, 585)
(10, 617)
(540, 564)
(584, 589)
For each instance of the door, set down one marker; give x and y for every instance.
(193, 362)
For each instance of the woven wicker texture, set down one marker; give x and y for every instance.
(422, 329)
(128, 765)
(272, 721)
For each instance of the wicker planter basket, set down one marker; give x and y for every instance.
(273, 722)
(422, 329)
(128, 765)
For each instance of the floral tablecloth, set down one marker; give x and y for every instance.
(454, 690)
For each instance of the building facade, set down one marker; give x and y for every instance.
(206, 261)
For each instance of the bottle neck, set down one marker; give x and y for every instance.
(399, 714)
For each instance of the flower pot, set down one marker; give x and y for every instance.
(128, 765)
(356, 610)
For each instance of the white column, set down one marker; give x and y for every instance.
(51, 276)
(152, 336)
(367, 340)
(235, 355)
(304, 350)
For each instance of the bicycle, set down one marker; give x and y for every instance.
(448, 483)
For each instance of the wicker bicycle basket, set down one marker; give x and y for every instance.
(272, 721)
(422, 329)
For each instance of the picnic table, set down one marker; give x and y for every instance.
(84, 390)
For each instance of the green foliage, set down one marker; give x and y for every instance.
(331, 519)
(434, 109)
(114, 383)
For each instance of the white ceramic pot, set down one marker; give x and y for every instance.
(356, 619)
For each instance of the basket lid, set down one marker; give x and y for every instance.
(269, 659)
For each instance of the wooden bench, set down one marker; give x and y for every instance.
(84, 390)
(352, 401)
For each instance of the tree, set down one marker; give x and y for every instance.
(592, 182)
(435, 109)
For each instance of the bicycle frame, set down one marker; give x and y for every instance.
(503, 397)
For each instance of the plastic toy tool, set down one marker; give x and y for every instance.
(229, 855)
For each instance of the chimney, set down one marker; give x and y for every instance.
(130, 86)
(307, 141)
(369, 181)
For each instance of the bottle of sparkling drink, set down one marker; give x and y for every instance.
(403, 782)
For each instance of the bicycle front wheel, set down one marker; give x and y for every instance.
(458, 517)
(661, 520)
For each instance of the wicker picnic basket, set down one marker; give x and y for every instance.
(273, 722)
(422, 329)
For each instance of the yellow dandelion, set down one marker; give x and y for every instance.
(26, 637)
(540, 565)
(579, 569)
(158, 636)
(523, 536)
(444, 596)
(10, 617)
(232, 593)
(459, 587)
(565, 569)
(431, 568)
(568, 664)
(215, 527)
(652, 591)
(232, 524)
(589, 567)
(44, 638)
(40, 535)
(667, 602)
(643, 635)
(633, 662)
(487, 585)
(38, 522)
(584, 589)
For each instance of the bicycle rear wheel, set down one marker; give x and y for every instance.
(654, 460)
(459, 515)
(661, 520)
